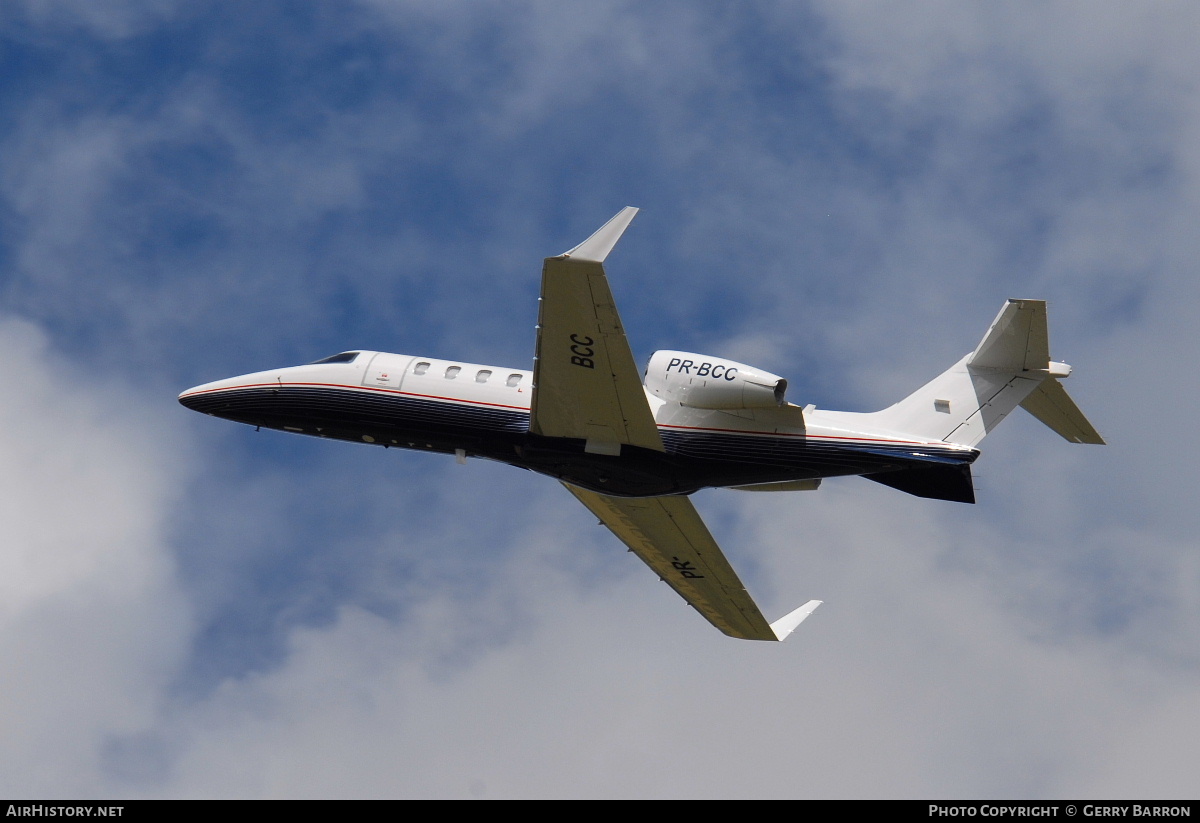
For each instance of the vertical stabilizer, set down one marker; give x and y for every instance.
(1017, 341)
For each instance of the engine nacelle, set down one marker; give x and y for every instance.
(704, 382)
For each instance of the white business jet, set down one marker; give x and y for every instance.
(631, 451)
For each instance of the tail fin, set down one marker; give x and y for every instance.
(1011, 366)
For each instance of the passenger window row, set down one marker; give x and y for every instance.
(481, 376)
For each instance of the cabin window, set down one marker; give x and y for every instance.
(420, 368)
(513, 380)
(452, 372)
(344, 357)
(482, 375)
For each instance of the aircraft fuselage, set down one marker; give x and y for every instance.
(475, 410)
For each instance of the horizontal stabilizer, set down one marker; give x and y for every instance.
(1051, 404)
(788, 623)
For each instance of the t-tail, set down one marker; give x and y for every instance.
(1010, 367)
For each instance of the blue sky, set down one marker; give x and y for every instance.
(842, 194)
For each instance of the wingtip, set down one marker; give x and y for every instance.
(597, 247)
(788, 623)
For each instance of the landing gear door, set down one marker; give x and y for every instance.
(385, 371)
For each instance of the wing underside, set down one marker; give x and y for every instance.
(668, 534)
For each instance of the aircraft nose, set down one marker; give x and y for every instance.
(189, 398)
(197, 398)
(210, 398)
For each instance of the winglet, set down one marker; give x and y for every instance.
(788, 623)
(597, 247)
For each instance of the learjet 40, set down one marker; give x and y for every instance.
(632, 450)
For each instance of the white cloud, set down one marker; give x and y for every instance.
(917, 678)
(92, 623)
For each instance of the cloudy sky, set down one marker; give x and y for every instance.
(843, 194)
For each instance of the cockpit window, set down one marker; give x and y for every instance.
(344, 357)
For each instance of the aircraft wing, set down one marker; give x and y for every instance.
(668, 534)
(585, 382)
